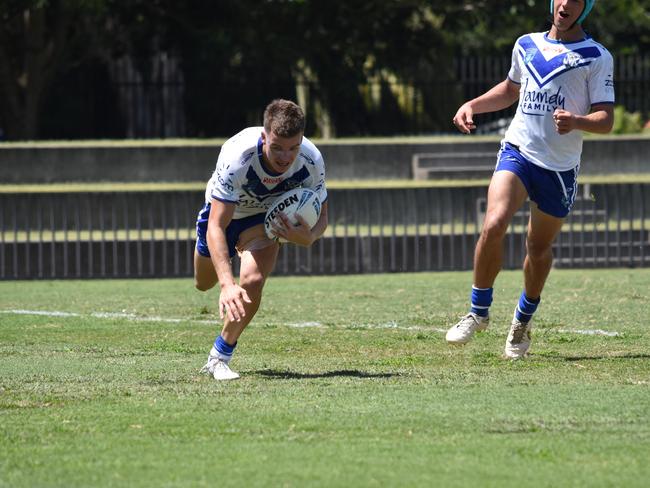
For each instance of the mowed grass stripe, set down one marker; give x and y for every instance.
(128, 318)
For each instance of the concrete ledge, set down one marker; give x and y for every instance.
(191, 160)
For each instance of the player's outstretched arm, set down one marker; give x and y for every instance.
(301, 234)
(232, 296)
(599, 121)
(497, 98)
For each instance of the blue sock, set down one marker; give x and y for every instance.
(526, 307)
(481, 300)
(224, 350)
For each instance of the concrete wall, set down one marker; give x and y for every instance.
(184, 161)
(50, 163)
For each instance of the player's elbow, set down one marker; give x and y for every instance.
(604, 119)
(609, 125)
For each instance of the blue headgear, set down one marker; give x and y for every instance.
(589, 4)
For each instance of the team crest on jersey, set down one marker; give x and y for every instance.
(572, 59)
(529, 55)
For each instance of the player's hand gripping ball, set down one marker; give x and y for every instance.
(299, 201)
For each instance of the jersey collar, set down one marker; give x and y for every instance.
(557, 41)
(260, 156)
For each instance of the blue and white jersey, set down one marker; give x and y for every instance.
(552, 74)
(242, 178)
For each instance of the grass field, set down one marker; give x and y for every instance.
(346, 381)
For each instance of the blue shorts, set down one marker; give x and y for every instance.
(234, 229)
(553, 191)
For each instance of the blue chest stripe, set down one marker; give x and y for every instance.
(543, 81)
(258, 190)
(543, 70)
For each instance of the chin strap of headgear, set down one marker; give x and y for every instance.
(589, 4)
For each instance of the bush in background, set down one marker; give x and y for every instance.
(626, 122)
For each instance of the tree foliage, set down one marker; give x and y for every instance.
(364, 66)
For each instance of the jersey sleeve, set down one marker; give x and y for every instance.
(225, 182)
(601, 80)
(319, 179)
(515, 67)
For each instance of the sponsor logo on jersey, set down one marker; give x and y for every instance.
(257, 191)
(226, 183)
(541, 102)
(246, 158)
(267, 180)
(554, 49)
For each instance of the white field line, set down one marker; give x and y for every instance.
(589, 332)
(297, 325)
(131, 317)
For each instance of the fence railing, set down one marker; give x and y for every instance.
(132, 105)
(151, 234)
(421, 100)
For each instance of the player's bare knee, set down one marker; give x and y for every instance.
(494, 228)
(538, 251)
(202, 285)
(253, 283)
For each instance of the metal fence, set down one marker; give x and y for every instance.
(151, 234)
(426, 104)
(123, 102)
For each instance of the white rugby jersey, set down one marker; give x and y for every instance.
(241, 178)
(552, 74)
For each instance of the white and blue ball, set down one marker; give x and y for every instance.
(299, 201)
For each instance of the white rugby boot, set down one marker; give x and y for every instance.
(518, 340)
(218, 368)
(463, 331)
(223, 372)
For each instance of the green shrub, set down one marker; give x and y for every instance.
(626, 122)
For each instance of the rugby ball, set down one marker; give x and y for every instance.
(299, 201)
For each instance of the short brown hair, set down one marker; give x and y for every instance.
(284, 118)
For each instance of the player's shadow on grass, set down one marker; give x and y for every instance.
(588, 357)
(291, 375)
(603, 357)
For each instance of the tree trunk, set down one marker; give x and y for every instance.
(25, 76)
